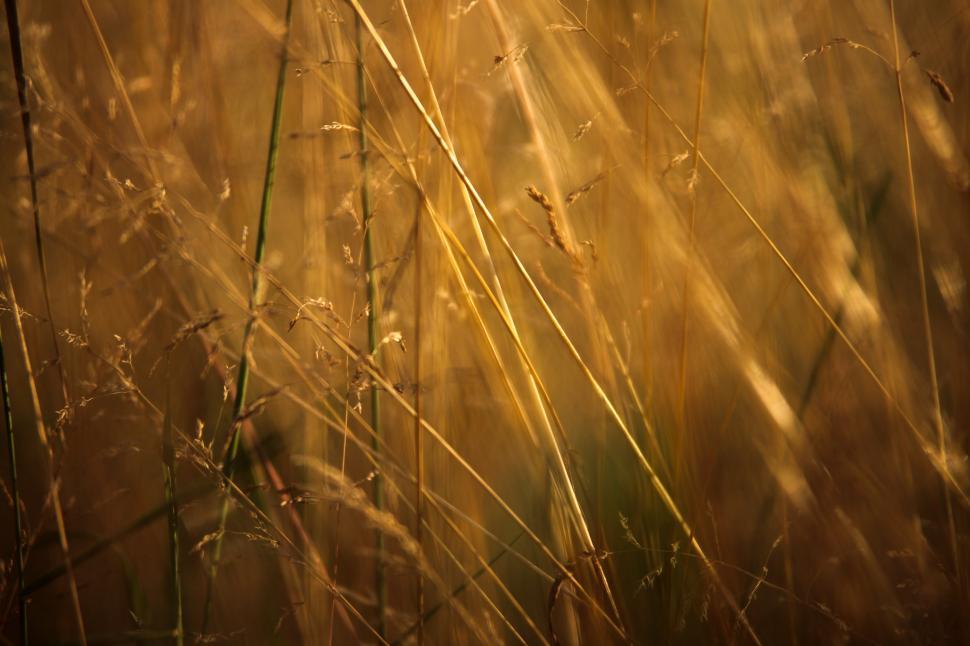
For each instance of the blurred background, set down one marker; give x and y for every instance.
(659, 335)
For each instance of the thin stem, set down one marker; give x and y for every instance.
(16, 51)
(53, 484)
(242, 380)
(924, 302)
(372, 299)
(15, 485)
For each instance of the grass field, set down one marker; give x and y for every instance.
(485, 321)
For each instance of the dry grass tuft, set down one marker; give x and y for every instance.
(305, 366)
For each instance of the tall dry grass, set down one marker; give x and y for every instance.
(455, 321)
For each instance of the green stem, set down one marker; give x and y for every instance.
(372, 340)
(242, 380)
(18, 524)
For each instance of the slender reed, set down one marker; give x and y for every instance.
(210, 349)
(242, 379)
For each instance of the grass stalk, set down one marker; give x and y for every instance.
(210, 350)
(15, 490)
(924, 304)
(533, 335)
(380, 580)
(594, 383)
(242, 379)
(450, 243)
(53, 483)
(16, 52)
(120, 88)
(341, 427)
(347, 410)
(535, 388)
(360, 358)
